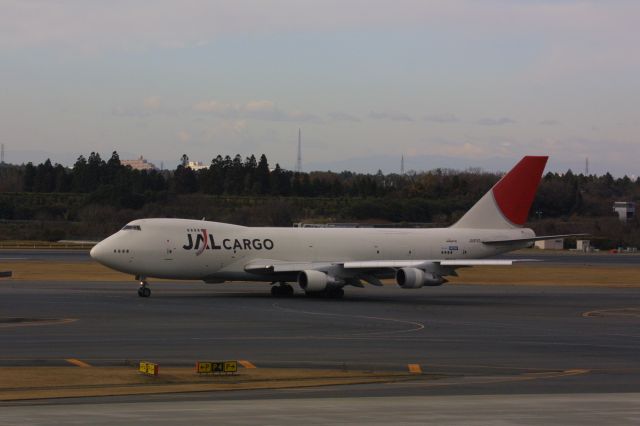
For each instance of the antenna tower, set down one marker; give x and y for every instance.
(2, 154)
(586, 166)
(402, 165)
(299, 162)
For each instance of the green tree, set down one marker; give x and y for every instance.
(29, 177)
(185, 181)
(262, 175)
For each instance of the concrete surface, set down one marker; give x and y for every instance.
(591, 409)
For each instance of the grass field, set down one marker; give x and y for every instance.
(555, 275)
(20, 383)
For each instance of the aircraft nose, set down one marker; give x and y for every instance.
(97, 252)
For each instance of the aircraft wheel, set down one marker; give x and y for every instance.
(282, 290)
(335, 293)
(143, 290)
(288, 290)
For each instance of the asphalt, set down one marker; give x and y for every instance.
(461, 331)
(596, 409)
(500, 343)
(58, 255)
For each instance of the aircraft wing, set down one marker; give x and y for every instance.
(277, 266)
(531, 239)
(266, 266)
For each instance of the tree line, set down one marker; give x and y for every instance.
(436, 192)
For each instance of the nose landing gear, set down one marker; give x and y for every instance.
(144, 290)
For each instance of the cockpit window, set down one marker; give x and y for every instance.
(132, 228)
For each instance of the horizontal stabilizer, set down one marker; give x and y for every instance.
(531, 239)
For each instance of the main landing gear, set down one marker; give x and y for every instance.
(144, 290)
(330, 293)
(281, 290)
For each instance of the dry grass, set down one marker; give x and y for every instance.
(520, 274)
(63, 382)
(35, 270)
(26, 244)
(540, 274)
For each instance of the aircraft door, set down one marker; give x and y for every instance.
(169, 250)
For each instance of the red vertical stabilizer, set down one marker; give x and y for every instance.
(507, 204)
(514, 193)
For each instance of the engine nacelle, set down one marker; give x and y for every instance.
(416, 278)
(312, 281)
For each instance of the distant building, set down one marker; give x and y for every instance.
(139, 164)
(197, 165)
(583, 245)
(625, 209)
(556, 244)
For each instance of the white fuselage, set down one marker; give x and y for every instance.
(175, 248)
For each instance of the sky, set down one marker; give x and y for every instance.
(467, 83)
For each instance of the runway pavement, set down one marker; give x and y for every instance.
(580, 344)
(58, 255)
(597, 409)
(485, 339)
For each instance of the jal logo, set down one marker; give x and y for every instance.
(205, 241)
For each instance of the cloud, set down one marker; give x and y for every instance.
(256, 110)
(549, 123)
(450, 148)
(500, 121)
(343, 116)
(578, 34)
(214, 107)
(184, 136)
(441, 118)
(302, 117)
(129, 112)
(391, 116)
(151, 105)
(264, 110)
(462, 150)
(152, 102)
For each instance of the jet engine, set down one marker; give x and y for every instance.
(416, 278)
(316, 281)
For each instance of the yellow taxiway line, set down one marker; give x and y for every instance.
(246, 364)
(77, 362)
(414, 368)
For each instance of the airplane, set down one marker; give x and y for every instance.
(324, 260)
